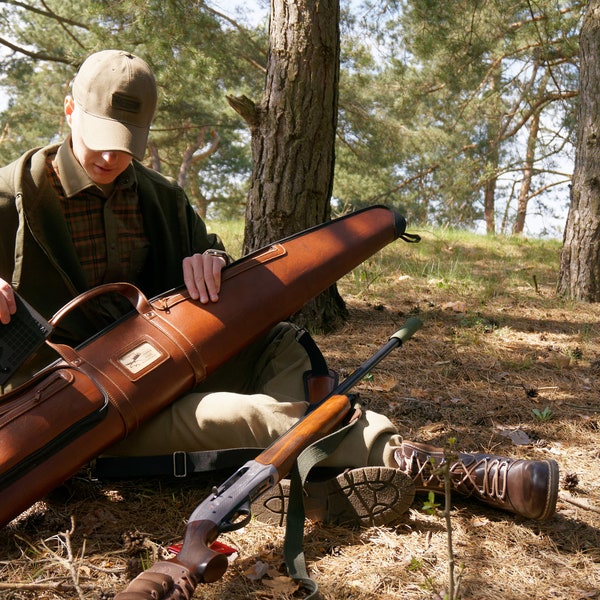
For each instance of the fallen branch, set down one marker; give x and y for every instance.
(52, 587)
(71, 563)
(565, 498)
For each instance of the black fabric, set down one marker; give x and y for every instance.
(318, 364)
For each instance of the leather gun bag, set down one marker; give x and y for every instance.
(102, 390)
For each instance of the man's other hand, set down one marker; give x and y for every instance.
(202, 276)
(8, 304)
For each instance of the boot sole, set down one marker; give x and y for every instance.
(365, 497)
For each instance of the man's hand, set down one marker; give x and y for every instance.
(8, 305)
(202, 276)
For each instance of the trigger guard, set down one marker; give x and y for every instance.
(243, 510)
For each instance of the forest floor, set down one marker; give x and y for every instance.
(501, 365)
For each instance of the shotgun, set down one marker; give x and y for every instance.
(227, 508)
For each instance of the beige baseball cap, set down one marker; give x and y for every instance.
(116, 91)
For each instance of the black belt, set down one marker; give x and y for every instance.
(178, 464)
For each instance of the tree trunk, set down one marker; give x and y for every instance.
(492, 155)
(293, 136)
(579, 276)
(528, 169)
(525, 189)
(489, 198)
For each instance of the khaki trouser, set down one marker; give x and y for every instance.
(250, 402)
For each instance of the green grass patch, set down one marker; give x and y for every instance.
(455, 261)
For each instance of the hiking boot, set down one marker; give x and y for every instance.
(525, 487)
(362, 497)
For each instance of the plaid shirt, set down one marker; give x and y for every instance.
(108, 233)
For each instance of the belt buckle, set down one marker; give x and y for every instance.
(179, 464)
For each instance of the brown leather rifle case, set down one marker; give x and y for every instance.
(101, 391)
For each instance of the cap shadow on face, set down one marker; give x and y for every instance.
(101, 166)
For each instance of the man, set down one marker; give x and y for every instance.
(86, 212)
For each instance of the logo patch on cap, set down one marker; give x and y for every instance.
(126, 103)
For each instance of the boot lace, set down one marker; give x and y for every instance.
(486, 476)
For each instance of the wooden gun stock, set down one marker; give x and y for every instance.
(320, 422)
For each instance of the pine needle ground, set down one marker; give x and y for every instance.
(502, 365)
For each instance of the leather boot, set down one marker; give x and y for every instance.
(526, 487)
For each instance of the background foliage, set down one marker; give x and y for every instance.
(438, 101)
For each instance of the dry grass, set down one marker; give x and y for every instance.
(475, 371)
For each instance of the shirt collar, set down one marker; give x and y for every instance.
(73, 177)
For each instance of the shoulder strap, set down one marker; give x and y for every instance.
(318, 382)
(293, 545)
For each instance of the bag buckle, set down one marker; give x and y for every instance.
(179, 464)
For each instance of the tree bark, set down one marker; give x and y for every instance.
(579, 276)
(293, 136)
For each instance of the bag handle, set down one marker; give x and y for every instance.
(128, 290)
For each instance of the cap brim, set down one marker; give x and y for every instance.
(101, 134)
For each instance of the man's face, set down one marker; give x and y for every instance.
(103, 166)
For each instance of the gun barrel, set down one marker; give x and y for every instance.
(411, 326)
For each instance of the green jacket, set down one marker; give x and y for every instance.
(39, 260)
